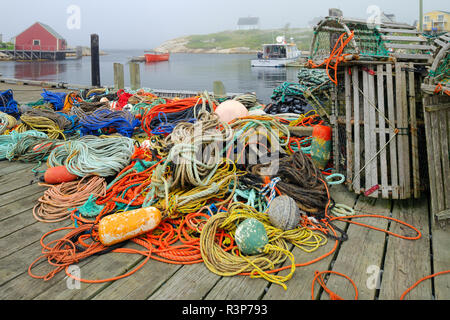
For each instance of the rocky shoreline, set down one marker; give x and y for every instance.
(179, 45)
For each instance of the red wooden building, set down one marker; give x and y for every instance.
(39, 41)
(40, 37)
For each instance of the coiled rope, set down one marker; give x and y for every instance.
(56, 202)
(92, 155)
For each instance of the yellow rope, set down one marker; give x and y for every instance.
(275, 252)
(42, 124)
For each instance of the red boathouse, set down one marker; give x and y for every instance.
(43, 39)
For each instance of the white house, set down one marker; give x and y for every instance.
(249, 23)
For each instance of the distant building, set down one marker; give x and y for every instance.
(436, 21)
(249, 23)
(40, 37)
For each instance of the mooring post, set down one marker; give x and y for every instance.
(95, 61)
(135, 76)
(119, 82)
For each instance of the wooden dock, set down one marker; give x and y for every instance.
(366, 254)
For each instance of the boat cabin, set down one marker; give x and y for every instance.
(279, 51)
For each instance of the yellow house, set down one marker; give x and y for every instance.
(438, 21)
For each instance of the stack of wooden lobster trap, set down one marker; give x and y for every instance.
(389, 104)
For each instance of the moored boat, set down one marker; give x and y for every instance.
(156, 56)
(277, 55)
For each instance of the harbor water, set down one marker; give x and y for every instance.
(193, 72)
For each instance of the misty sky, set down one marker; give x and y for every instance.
(139, 24)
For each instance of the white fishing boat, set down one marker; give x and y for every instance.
(277, 55)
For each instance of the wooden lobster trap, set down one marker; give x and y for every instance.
(383, 42)
(436, 108)
(378, 124)
(377, 117)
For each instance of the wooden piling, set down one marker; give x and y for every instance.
(135, 76)
(95, 60)
(119, 82)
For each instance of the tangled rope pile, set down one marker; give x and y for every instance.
(130, 150)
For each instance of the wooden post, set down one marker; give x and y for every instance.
(119, 82)
(95, 61)
(135, 76)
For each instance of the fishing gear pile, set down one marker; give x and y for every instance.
(174, 178)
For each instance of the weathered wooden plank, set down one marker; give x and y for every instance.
(382, 130)
(373, 168)
(441, 262)
(403, 38)
(407, 260)
(444, 152)
(16, 180)
(192, 282)
(141, 284)
(23, 237)
(387, 30)
(15, 166)
(335, 136)
(367, 132)
(360, 257)
(299, 287)
(348, 125)
(405, 136)
(93, 268)
(437, 165)
(408, 46)
(411, 56)
(357, 146)
(16, 216)
(440, 42)
(400, 122)
(238, 287)
(17, 263)
(414, 138)
(430, 155)
(24, 192)
(393, 143)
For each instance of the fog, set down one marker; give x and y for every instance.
(139, 24)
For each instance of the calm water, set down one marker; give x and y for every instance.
(195, 72)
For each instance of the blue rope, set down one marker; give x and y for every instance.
(105, 118)
(55, 98)
(8, 104)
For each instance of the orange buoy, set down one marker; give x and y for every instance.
(55, 175)
(123, 226)
(321, 146)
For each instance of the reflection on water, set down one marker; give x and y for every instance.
(196, 72)
(38, 70)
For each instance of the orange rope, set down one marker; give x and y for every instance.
(336, 56)
(421, 280)
(320, 280)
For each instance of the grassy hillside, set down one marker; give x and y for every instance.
(6, 46)
(252, 39)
